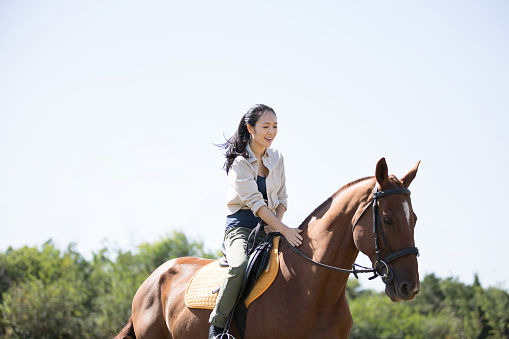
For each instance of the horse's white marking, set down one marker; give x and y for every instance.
(407, 211)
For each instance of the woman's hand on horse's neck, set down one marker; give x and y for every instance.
(291, 234)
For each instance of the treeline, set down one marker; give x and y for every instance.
(49, 293)
(444, 308)
(46, 293)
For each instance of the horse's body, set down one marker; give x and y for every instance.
(305, 300)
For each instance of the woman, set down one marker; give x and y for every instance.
(256, 192)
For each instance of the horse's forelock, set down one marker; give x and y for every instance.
(394, 179)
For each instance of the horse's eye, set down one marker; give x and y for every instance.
(388, 221)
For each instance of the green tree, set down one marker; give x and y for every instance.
(119, 280)
(444, 308)
(493, 308)
(47, 293)
(354, 290)
(430, 298)
(177, 245)
(375, 316)
(33, 309)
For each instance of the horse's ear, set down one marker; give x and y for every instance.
(382, 172)
(409, 177)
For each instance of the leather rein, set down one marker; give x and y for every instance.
(381, 267)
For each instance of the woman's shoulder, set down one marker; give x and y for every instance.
(240, 159)
(274, 154)
(240, 163)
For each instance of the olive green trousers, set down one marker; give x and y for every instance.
(235, 242)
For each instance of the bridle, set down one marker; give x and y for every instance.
(381, 267)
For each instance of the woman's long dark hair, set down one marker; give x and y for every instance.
(236, 145)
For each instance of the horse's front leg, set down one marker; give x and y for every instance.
(335, 323)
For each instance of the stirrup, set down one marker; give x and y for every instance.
(224, 335)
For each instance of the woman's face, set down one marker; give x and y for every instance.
(264, 131)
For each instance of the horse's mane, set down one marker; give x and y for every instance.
(350, 185)
(326, 204)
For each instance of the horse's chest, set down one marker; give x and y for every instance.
(297, 318)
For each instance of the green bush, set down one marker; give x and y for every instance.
(47, 293)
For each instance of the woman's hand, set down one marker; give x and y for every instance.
(293, 236)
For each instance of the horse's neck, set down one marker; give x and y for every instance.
(330, 231)
(328, 236)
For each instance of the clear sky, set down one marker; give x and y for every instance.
(109, 111)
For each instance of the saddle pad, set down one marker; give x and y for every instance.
(210, 277)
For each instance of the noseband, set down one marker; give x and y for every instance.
(381, 267)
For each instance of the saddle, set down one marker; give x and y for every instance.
(262, 268)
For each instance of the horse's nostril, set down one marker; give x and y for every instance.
(404, 289)
(408, 290)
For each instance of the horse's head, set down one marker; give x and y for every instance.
(392, 233)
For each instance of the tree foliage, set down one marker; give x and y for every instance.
(444, 308)
(49, 293)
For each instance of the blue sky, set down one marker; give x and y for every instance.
(109, 112)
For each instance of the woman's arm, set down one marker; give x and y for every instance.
(291, 234)
(280, 211)
(243, 188)
(281, 194)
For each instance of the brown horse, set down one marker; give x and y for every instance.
(305, 300)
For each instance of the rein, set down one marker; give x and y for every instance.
(382, 263)
(344, 270)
